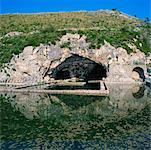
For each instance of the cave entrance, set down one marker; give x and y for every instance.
(81, 68)
(138, 74)
(62, 74)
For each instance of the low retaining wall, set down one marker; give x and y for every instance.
(29, 89)
(68, 92)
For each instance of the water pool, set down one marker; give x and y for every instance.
(44, 121)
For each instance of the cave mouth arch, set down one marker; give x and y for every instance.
(140, 71)
(81, 68)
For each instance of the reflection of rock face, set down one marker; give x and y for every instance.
(29, 104)
(122, 98)
(140, 93)
(135, 89)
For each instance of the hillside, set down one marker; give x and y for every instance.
(116, 28)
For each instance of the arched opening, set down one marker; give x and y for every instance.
(81, 68)
(138, 74)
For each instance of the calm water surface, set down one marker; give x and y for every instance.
(66, 122)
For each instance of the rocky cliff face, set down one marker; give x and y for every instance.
(36, 64)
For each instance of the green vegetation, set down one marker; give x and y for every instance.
(65, 45)
(15, 45)
(114, 27)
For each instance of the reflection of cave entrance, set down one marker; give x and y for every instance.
(79, 67)
(140, 72)
(140, 93)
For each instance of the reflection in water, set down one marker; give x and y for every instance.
(32, 119)
(140, 93)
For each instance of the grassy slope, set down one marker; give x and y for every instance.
(97, 26)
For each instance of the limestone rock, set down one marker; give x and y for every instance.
(12, 34)
(70, 37)
(46, 79)
(28, 67)
(28, 50)
(138, 58)
(55, 53)
(54, 64)
(123, 56)
(119, 73)
(3, 76)
(22, 67)
(35, 65)
(135, 75)
(16, 77)
(46, 63)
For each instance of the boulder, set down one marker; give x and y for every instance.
(55, 53)
(28, 50)
(28, 67)
(22, 66)
(122, 56)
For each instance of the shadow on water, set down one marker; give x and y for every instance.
(87, 86)
(43, 121)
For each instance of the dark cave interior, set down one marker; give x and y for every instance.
(79, 67)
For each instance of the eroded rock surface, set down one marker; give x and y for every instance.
(35, 65)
